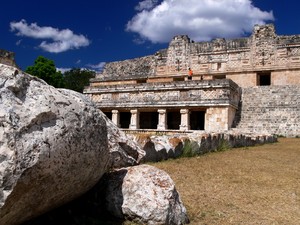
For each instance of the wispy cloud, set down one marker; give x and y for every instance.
(93, 67)
(60, 40)
(63, 70)
(146, 4)
(19, 42)
(97, 67)
(201, 20)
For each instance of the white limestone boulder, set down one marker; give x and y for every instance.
(124, 151)
(53, 146)
(146, 195)
(158, 148)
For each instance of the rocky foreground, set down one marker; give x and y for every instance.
(55, 145)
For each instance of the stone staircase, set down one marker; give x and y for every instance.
(269, 109)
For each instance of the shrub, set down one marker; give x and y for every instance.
(223, 145)
(189, 148)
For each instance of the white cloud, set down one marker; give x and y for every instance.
(63, 70)
(60, 40)
(97, 67)
(93, 67)
(200, 20)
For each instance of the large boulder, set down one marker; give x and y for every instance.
(124, 151)
(146, 195)
(53, 146)
(159, 148)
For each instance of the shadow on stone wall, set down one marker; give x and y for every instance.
(163, 147)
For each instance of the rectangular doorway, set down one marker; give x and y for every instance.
(125, 119)
(148, 120)
(173, 120)
(197, 120)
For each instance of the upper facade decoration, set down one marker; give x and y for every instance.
(262, 51)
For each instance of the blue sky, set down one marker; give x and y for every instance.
(87, 34)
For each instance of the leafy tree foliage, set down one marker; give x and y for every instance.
(75, 79)
(45, 69)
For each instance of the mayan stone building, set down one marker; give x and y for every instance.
(154, 92)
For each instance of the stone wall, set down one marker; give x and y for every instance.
(273, 109)
(218, 118)
(128, 69)
(162, 146)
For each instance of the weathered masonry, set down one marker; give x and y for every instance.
(182, 105)
(153, 92)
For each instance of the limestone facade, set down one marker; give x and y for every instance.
(153, 92)
(183, 105)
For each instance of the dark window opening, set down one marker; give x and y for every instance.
(197, 120)
(178, 79)
(219, 77)
(140, 81)
(264, 79)
(173, 120)
(148, 120)
(108, 114)
(125, 119)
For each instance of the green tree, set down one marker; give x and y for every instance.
(45, 69)
(75, 79)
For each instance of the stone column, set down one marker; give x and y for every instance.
(135, 120)
(162, 119)
(185, 119)
(115, 117)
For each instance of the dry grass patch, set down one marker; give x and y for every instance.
(256, 185)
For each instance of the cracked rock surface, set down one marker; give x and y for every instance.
(146, 195)
(54, 146)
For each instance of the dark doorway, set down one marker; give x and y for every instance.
(173, 120)
(108, 114)
(264, 79)
(218, 77)
(125, 119)
(178, 78)
(197, 120)
(148, 120)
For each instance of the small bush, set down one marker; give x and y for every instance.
(223, 145)
(189, 148)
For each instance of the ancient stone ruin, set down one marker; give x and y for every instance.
(249, 84)
(240, 86)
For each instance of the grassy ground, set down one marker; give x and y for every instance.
(255, 185)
